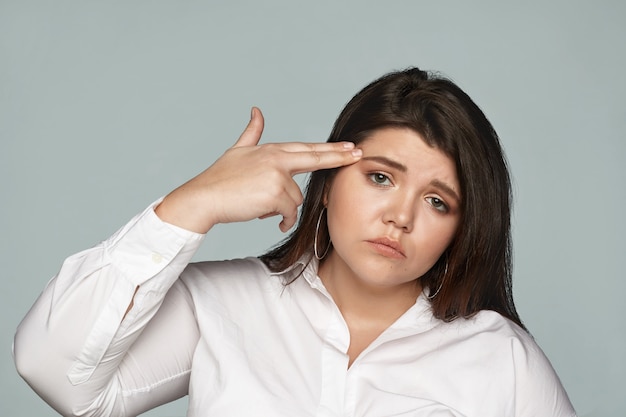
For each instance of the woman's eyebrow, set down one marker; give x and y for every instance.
(386, 161)
(446, 189)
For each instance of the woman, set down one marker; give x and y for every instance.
(392, 295)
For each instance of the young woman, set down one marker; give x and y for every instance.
(391, 296)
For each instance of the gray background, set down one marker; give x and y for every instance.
(105, 106)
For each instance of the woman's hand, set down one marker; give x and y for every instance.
(251, 181)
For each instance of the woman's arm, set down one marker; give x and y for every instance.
(79, 352)
(114, 331)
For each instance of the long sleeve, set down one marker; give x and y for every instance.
(80, 349)
(539, 391)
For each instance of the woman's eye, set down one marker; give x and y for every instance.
(380, 179)
(438, 204)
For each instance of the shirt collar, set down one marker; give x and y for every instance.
(418, 316)
(307, 266)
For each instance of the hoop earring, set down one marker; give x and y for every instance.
(445, 272)
(317, 230)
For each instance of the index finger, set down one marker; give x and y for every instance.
(315, 146)
(320, 157)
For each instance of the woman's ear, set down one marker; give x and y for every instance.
(325, 192)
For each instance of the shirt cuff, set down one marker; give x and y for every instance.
(147, 244)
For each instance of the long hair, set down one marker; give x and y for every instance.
(474, 272)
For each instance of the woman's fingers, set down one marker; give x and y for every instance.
(303, 157)
(251, 181)
(292, 189)
(315, 146)
(317, 157)
(253, 131)
(287, 160)
(287, 199)
(288, 209)
(293, 200)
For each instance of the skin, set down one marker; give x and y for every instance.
(251, 181)
(390, 217)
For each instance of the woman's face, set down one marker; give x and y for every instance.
(392, 214)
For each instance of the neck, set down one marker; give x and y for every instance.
(363, 304)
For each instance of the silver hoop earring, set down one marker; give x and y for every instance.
(317, 231)
(445, 272)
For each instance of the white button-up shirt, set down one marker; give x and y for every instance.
(240, 342)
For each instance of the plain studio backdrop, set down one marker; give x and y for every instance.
(105, 106)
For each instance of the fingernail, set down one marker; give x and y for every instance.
(252, 113)
(357, 153)
(348, 145)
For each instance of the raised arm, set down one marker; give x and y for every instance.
(114, 332)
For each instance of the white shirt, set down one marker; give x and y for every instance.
(241, 343)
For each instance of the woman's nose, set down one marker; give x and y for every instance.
(401, 212)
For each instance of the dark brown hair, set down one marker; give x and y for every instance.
(474, 273)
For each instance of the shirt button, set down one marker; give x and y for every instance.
(157, 258)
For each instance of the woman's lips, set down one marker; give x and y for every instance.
(387, 247)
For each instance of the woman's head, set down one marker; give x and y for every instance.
(474, 272)
(391, 215)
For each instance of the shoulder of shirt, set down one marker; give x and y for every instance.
(240, 271)
(505, 345)
(490, 328)
(239, 268)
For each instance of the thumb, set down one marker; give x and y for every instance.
(252, 134)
